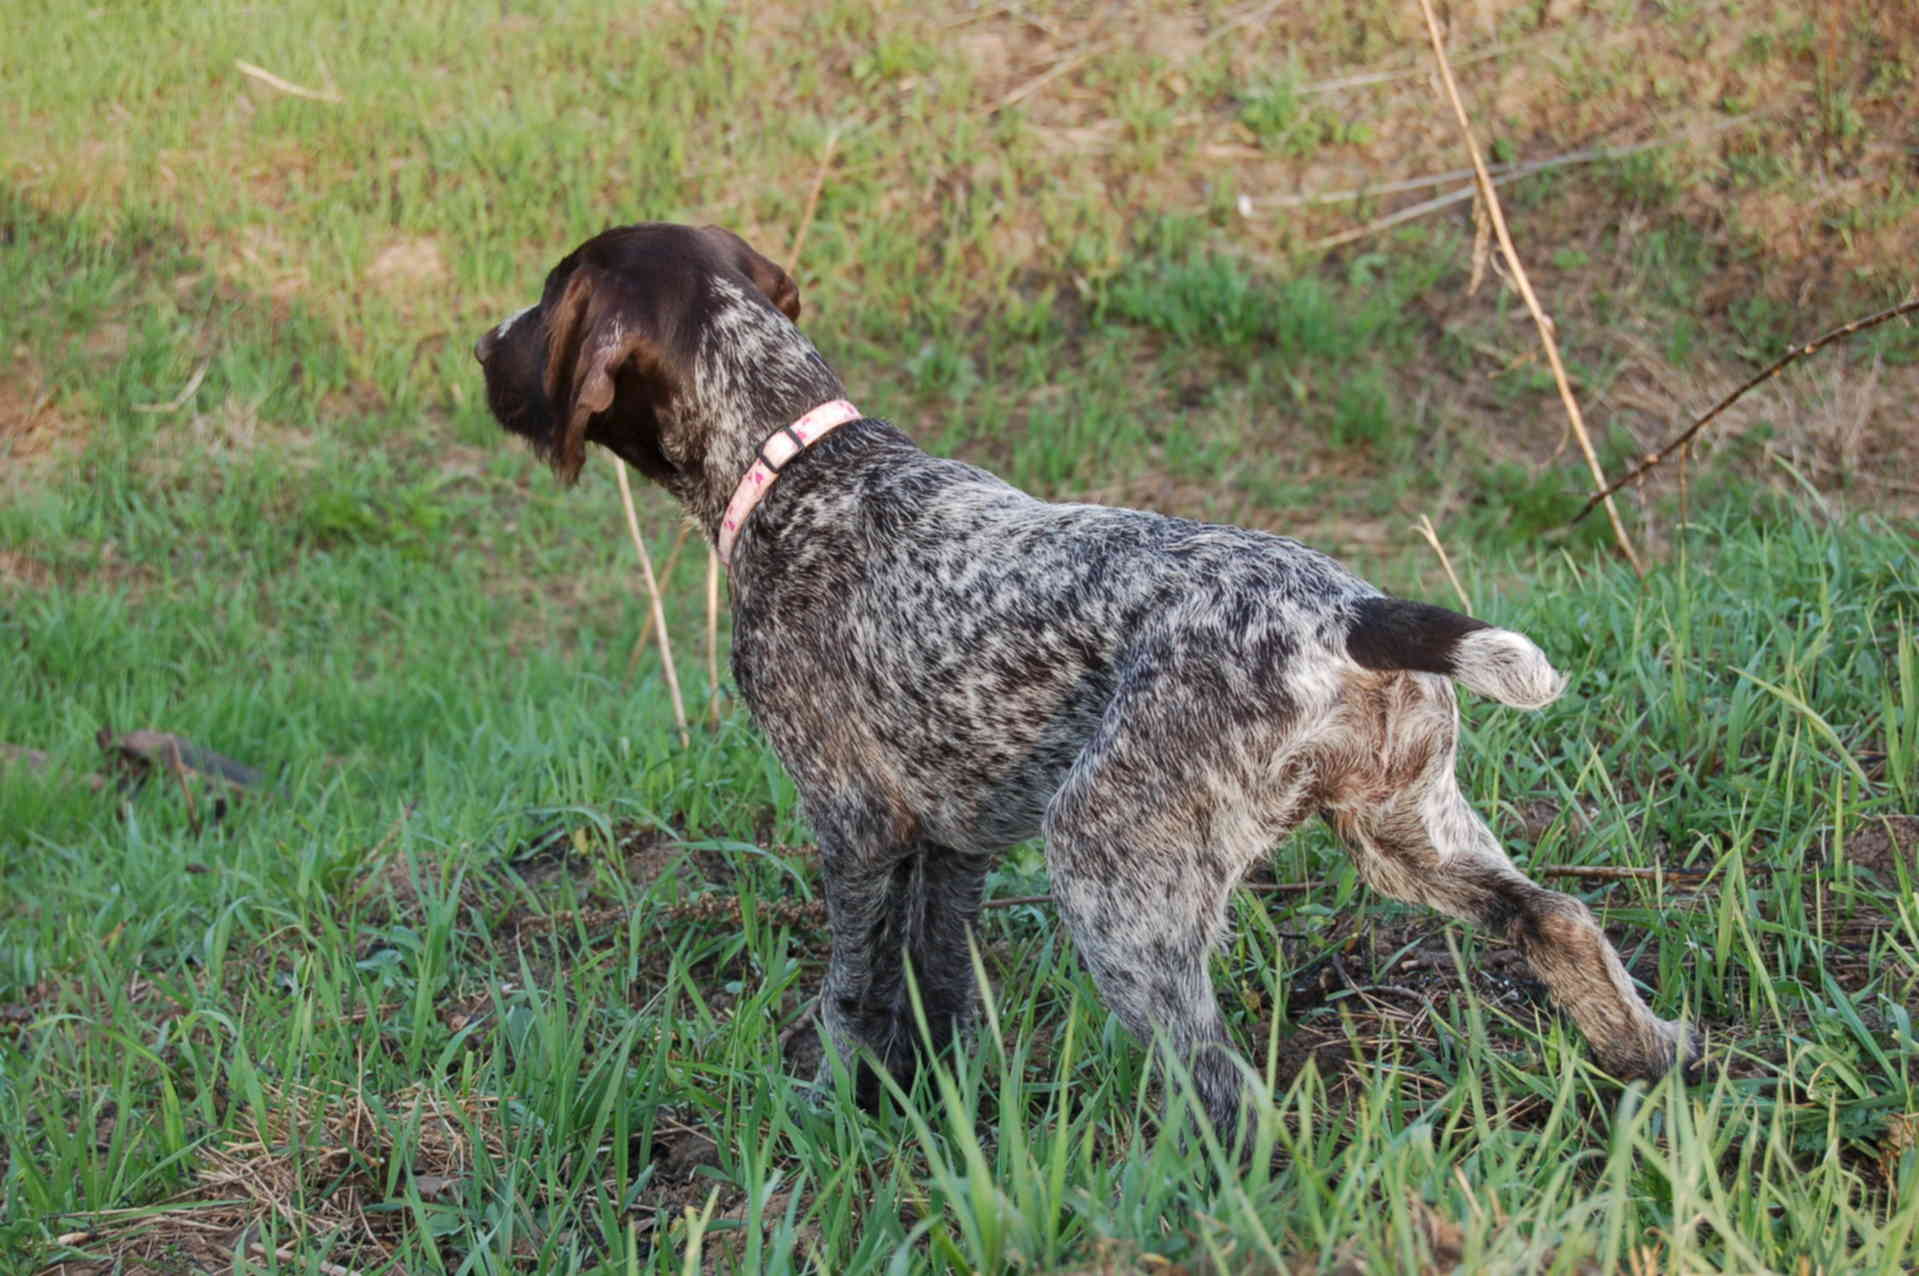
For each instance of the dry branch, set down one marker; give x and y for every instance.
(1608, 873)
(1524, 285)
(179, 400)
(1257, 888)
(1425, 528)
(1040, 81)
(666, 579)
(653, 593)
(1774, 369)
(288, 87)
(1501, 173)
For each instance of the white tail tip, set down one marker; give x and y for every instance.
(1506, 667)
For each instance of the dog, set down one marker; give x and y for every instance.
(947, 666)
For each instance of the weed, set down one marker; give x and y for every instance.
(1282, 121)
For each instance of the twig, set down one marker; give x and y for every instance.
(1778, 365)
(712, 639)
(179, 400)
(273, 81)
(178, 766)
(1248, 18)
(1425, 528)
(1045, 77)
(1524, 285)
(666, 579)
(653, 593)
(812, 203)
(1364, 78)
(1009, 901)
(1502, 173)
(1257, 888)
(1604, 873)
(1392, 219)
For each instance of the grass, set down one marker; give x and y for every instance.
(485, 880)
(494, 976)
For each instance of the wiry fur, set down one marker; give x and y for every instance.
(947, 665)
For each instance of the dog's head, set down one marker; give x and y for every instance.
(609, 351)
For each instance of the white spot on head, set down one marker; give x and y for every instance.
(506, 325)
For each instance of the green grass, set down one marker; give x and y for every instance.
(501, 978)
(1749, 711)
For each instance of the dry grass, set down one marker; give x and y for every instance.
(321, 1175)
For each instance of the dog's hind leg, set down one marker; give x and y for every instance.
(1145, 840)
(895, 912)
(1414, 837)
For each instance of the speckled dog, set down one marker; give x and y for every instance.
(947, 666)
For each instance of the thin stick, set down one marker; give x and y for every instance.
(1502, 174)
(1778, 365)
(1010, 900)
(178, 767)
(1257, 888)
(712, 636)
(1045, 77)
(288, 87)
(666, 579)
(1425, 528)
(1392, 219)
(712, 639)
(1603, 873)
(812, 203)
(653, 593)
(179, 400)
(1246, 19)
(1524, 285)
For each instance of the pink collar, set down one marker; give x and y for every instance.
(782, 447)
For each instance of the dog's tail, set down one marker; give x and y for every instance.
(1392, 633)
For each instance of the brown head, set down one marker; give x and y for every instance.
(610, 353)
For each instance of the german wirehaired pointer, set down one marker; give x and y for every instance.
(947, 665)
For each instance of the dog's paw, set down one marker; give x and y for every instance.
(1669, 1045)
(1674, 1046)
(1689, 1053)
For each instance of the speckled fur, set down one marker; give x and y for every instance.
(947, 665)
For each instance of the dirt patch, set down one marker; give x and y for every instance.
(19, 570)
(405, 266)
(1882, 845)
(1374, 988)
(32, 428)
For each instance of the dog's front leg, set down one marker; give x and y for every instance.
(894, 913)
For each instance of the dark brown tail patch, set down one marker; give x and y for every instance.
(1393, 633)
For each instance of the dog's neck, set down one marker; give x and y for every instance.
(754, 373)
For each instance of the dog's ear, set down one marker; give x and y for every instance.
(766, 276)
(597, 341)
